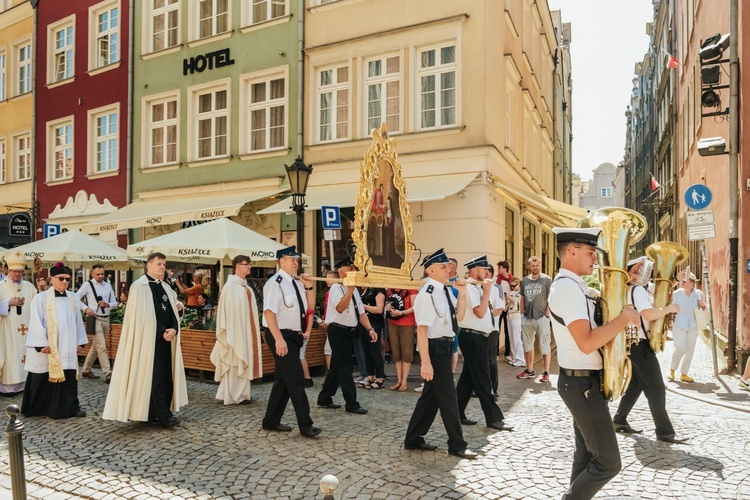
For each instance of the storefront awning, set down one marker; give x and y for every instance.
(174, 210)
(345, 195)
(554, 212)
(569, 212)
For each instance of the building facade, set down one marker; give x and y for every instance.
(601, 189)
(467, 89)
(16, 120)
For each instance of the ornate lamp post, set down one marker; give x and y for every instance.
(299, 175)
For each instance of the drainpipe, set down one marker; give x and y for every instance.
(734, 145)
(300, 76)
(35, 211)
(129, 140)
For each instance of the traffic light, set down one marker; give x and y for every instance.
(711, 53)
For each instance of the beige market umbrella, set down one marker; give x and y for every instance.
(218, 240)
(73, 247)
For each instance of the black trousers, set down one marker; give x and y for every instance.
(51, 399)
(475, 376)
(340, 373)
(504, 318)
(373, 352)
(288, 383)
(162, 386)
(494, 346)
(437, 394)
(596, 459)
(646, 379)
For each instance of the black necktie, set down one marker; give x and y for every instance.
(301, 307)
(454, 320)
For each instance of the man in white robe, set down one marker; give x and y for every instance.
(15, 303)
(148, 382)
(56, 334)
(236, 354)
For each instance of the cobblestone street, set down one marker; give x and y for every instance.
(220, 452)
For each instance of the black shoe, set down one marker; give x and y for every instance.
(80, 413)
(279, 428)
(420, 446)
(246, 401)
(671, 438)
(626, 429)
(468, 421)
(358, 411)
(170, 422)
(467, 453)
(311, 432)
(332, 406)
(501, 426)
(309, 382)
(108, 379)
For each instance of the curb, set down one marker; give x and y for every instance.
(710, 401)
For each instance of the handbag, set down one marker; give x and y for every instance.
(701, 319)
(90, 325)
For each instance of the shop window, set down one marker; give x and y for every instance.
(529, 242)
(510, 234)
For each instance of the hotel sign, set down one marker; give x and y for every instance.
(209, 60)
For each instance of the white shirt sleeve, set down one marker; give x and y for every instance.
(569, 302)
(641, 300)
(424, 312)
(335, 296)
(4, 308)
(473, 298)
(360, 305)
(271, 294)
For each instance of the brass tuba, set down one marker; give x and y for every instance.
(666, 255)
(621, 228)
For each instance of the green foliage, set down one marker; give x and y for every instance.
(190, 316)
(592, 280)
(117, 315)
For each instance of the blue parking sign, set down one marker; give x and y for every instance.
(51, 230)
(331, 217)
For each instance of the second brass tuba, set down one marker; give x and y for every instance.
(666, 255)
(621, 228)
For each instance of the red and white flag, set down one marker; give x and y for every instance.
(654, 185)
(672, 62)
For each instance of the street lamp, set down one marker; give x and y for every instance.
(299, 175)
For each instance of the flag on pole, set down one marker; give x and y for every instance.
(654, 185)
(672, 62)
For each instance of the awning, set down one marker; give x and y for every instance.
(555, 212)
(566, 211)
(173, 210)
(345, 195)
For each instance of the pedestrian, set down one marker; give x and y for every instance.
(41, 284)
(287, 316)
(236, 353)
(646, 376)
(504, 278)
(100, 299)
(148, 382)
(56, 335)
(373, 302)
(342, 329)
(192, 290)
(513, 319)
(497, 309)
(402, 329)
(473, 339)
(596, 459)
(437, 313)
(535, 320)
(16, 295)
(744, 382)
(331, 278)
(685, 327)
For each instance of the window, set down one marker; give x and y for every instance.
(23, 157)
(510, 232)
(3, 77)
(546, 264)
(3, 171)
(23, 55)
(437, 87)
(62, 53)
(511, 115)
(162, 131)
(213, 17)
(529, 242)
(211, 122)
(164, 24)
(60, 140)
(333, 99)
(264, 10)
(383, 93)
(266, 113)
(106, 30)
(606, 192)
(103, 134)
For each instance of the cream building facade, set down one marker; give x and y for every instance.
(467, 89)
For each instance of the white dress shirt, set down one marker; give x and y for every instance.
(280, 299)
(431, 309)
(103, 290)
(348, 316)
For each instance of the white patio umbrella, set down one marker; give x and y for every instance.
(73, 247)
(218, 240)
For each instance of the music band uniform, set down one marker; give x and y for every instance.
(285, 297)
(596, 459)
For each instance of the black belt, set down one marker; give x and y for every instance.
(100, 316)
(579, 373)
(474, 332)
(344, 327)
(289, 330)
(443, 339)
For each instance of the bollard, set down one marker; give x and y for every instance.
(328, 485)
(14, 430)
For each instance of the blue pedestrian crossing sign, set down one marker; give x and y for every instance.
(698, 196)
(331, 217)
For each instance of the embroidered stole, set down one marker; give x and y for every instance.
(56, 373)
(255, 348)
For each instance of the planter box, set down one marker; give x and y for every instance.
(198, 344)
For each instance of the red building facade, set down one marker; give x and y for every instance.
(81, 124)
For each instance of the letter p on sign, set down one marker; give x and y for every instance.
(331, 217)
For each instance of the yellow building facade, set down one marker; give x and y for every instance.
(467, 89)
